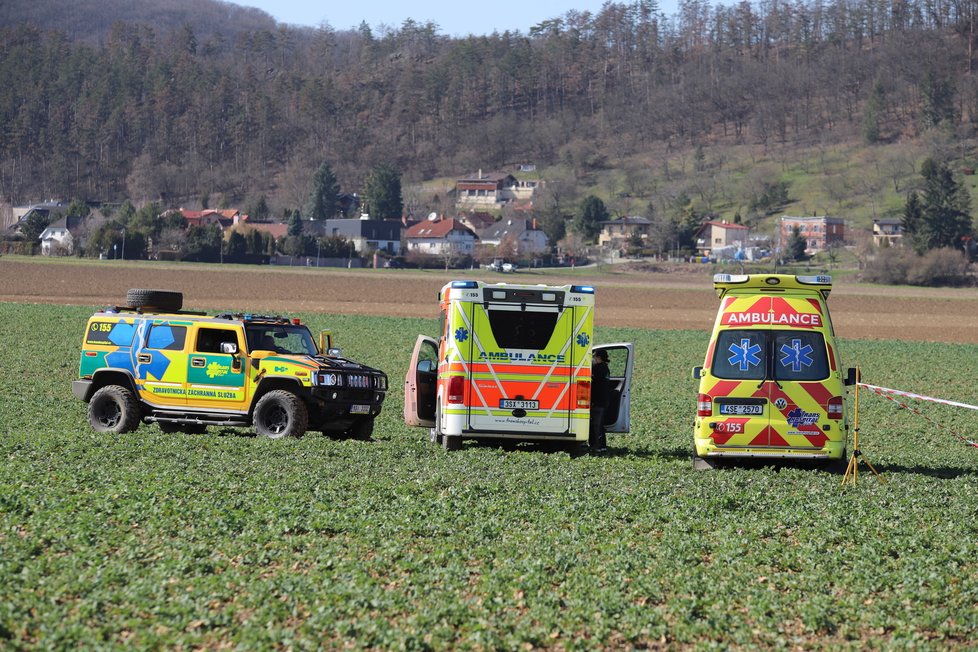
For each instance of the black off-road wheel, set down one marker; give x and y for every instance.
(114, 409)
(363, 428)
(280, 413)
(163, 300)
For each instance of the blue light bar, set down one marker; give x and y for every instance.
(582, 289)
(464, 285)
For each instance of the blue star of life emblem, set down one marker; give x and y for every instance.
(461, 334)
(796, 356)
(745, 355)
(583, 339)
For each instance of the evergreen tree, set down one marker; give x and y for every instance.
(872, 113)
(941, 216)
(325, 190)
(260, 211)
(295, 224)
(590, 214)
(912, 222)
(383, 193)
(938, 100)
(796, 244)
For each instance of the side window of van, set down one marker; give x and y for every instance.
(800, 355)
(166, 337)
(740, 355)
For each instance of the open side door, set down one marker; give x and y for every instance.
(621, 360)
(421, 384)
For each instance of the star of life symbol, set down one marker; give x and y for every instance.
(796, 356)
(461, 334)
(745, 355)
(583, 339)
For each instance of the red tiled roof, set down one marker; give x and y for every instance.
(438, 229)
(276, 230)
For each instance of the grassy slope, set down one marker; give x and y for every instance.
(167, 540)
(848, 179)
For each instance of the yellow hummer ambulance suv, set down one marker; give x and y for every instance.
(513, 363)
(772, 384)
(151, 362)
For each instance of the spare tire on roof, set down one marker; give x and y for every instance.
(165, 300)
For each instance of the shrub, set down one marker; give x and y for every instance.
(891, 266)
(937, 267)
(940, 267)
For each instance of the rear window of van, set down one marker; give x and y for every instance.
(518, 329)
(758, 354)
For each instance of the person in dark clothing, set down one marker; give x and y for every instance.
(600, 394)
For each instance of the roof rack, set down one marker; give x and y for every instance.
(149, 310)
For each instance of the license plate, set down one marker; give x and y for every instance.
(513, 404)
(359, 409)
(747, 410)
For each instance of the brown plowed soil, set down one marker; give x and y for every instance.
(666, 298)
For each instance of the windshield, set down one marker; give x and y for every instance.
(280, 338)
(759, 354)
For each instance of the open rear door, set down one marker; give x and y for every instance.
(621, 360)
(421, 384)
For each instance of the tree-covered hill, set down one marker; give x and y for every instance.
(159, 107)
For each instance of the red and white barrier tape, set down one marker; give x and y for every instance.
(889, 394)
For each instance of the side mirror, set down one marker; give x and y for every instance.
(697, 373)
(334, 352)
(229, 347)
(852, 376)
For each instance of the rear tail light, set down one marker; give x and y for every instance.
(584, 393)
(456, 386)
(835, 407)
(704, 406)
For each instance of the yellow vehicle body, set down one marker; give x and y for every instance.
(512, 362)
(771, 384)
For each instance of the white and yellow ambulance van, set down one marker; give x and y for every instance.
(772, 384)
(513, 363)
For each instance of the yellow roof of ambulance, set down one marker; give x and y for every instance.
(820, 284)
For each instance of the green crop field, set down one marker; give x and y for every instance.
(227, 540)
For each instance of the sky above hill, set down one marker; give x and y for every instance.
(452, 17)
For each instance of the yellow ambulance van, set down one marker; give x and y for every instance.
(513, 362)
(772, 384)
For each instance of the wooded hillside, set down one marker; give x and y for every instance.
(150, 110)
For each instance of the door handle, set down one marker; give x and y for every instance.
(144, 357)
(197, 362)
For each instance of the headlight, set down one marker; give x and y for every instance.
(327, 379)
(380, 382)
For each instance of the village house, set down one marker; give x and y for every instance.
(225, 218)
(819, 232)
(493, 190)
(440, 238)
(521, 235)
(477, 220)
(887, 231)
(720, 235)
(615, 234)
(367, 235)
(57, 239)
